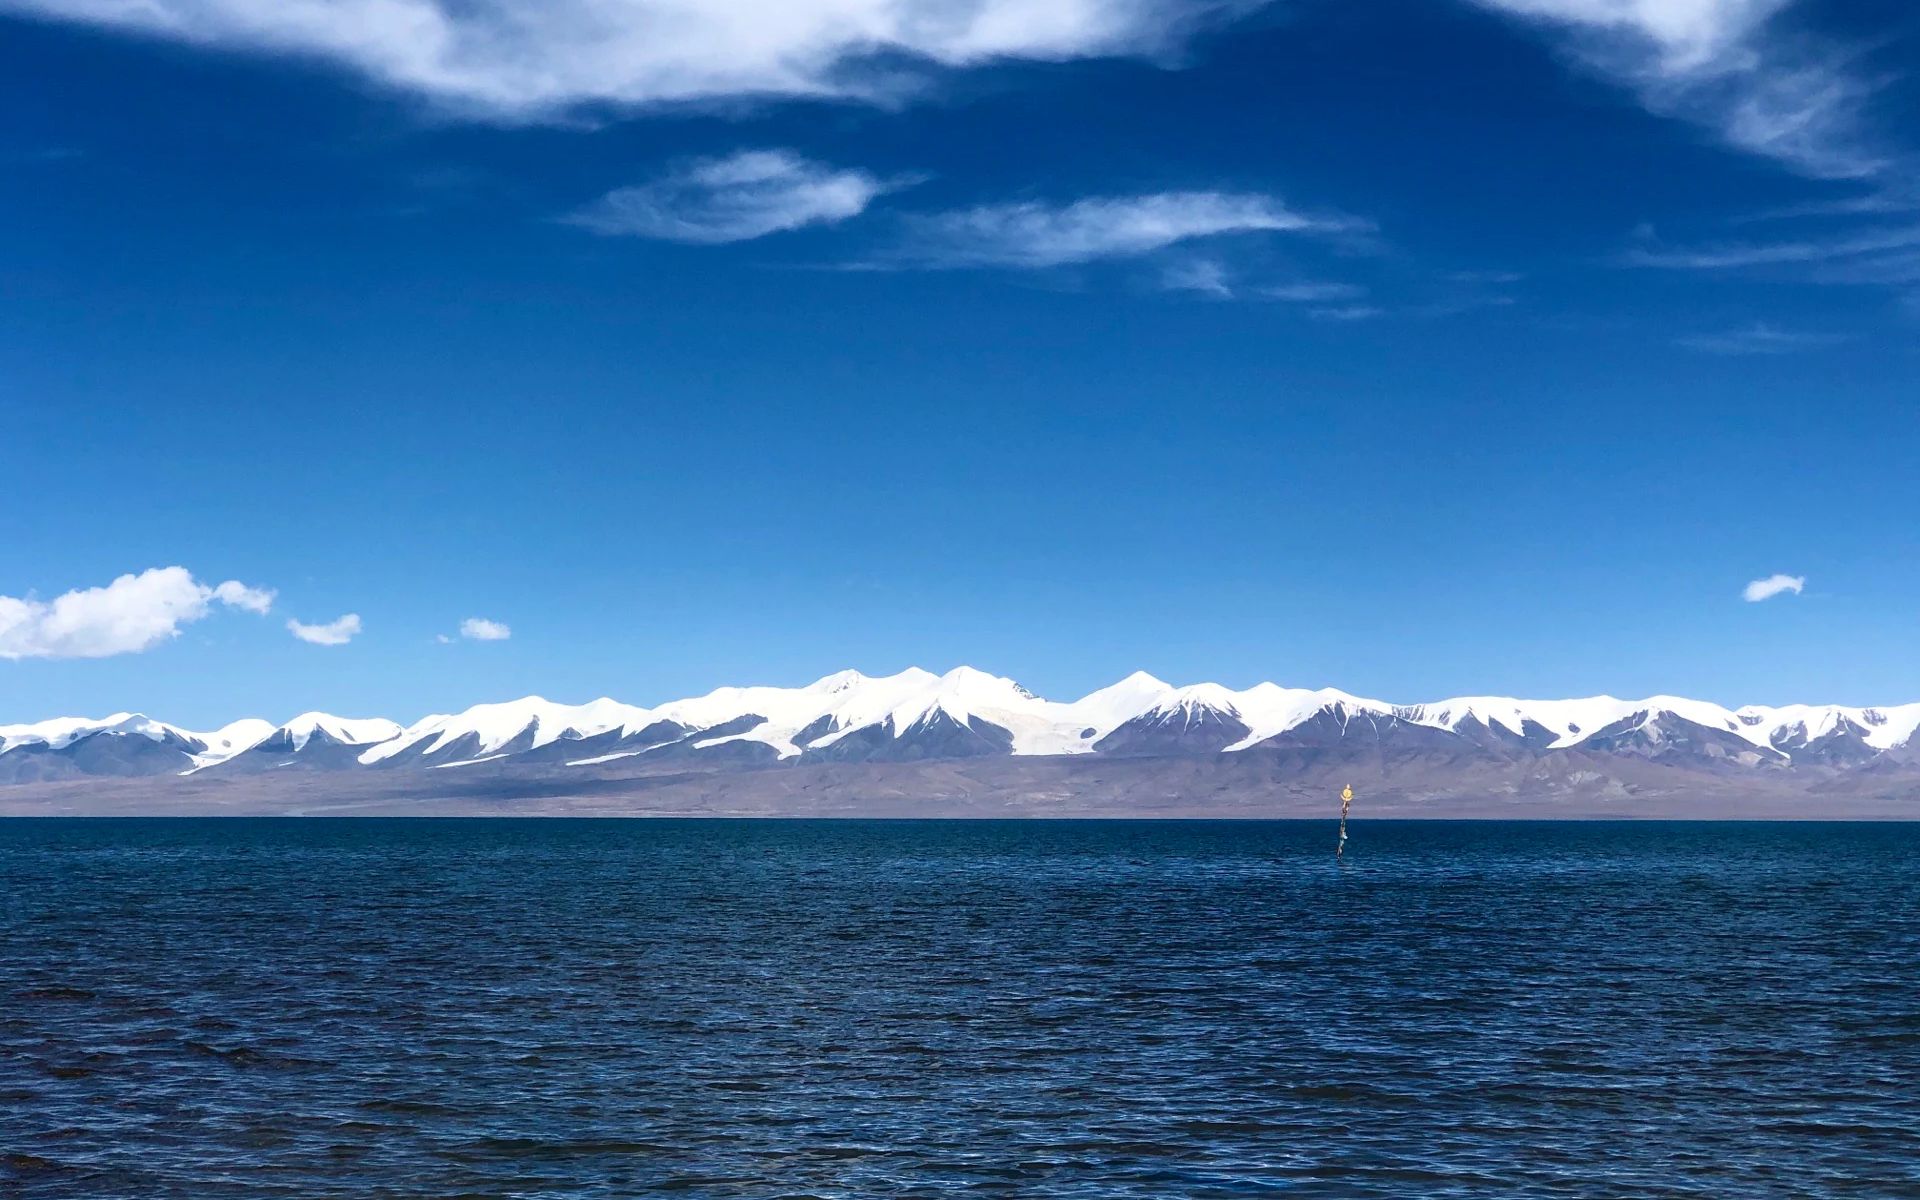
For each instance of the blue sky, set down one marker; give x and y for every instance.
(1416, 348)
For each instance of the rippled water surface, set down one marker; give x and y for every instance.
(766, 1009)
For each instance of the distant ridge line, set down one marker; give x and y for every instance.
(917, 715)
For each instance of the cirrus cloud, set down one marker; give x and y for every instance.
(742, 196)
(1032, 235)
(131, 614)
(1728, 66)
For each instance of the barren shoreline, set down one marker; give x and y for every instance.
(1001, 788)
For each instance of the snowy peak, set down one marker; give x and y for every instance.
(343, 731)
(962, 694)
(1271, 710)
(1196, 699)
(1578, 722)
(64, 731)
(782, 719)
(1201, 718)
(312, 740)
(127, 745)
(917, 714)
(1111, 706)
(1802, 725)
(487, 730)
(230, 740)
(985, 714)
(1664, 731)
(1561, 724)
(790, 722)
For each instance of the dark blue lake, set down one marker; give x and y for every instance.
(1056, 1009)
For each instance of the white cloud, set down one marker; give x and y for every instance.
(745, 195)
(1033, 235)
(530, 59)
(258, 601)
(1728, 66)
(1721, 63)
(1682, 34)
(337, 632)
(1758, 339)
(1773, 585)
(131, 614)
(480, 629)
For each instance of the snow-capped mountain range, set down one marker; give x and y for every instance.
(965, 713)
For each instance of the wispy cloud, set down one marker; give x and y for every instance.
(1213, 277)
(337, 632)
(1729, 66)
(1206, 276)
(1033, 235)
(479, 629)
(1489, 278)
(1417, 295)
(131, 614)
(45, 156)
(1879, 270)
(1758, 338)
(530, 59)
(734, 199)
(1883, 256)
(1736, 255)
(1773, 585)
(1873, 204)
(1311, 293)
